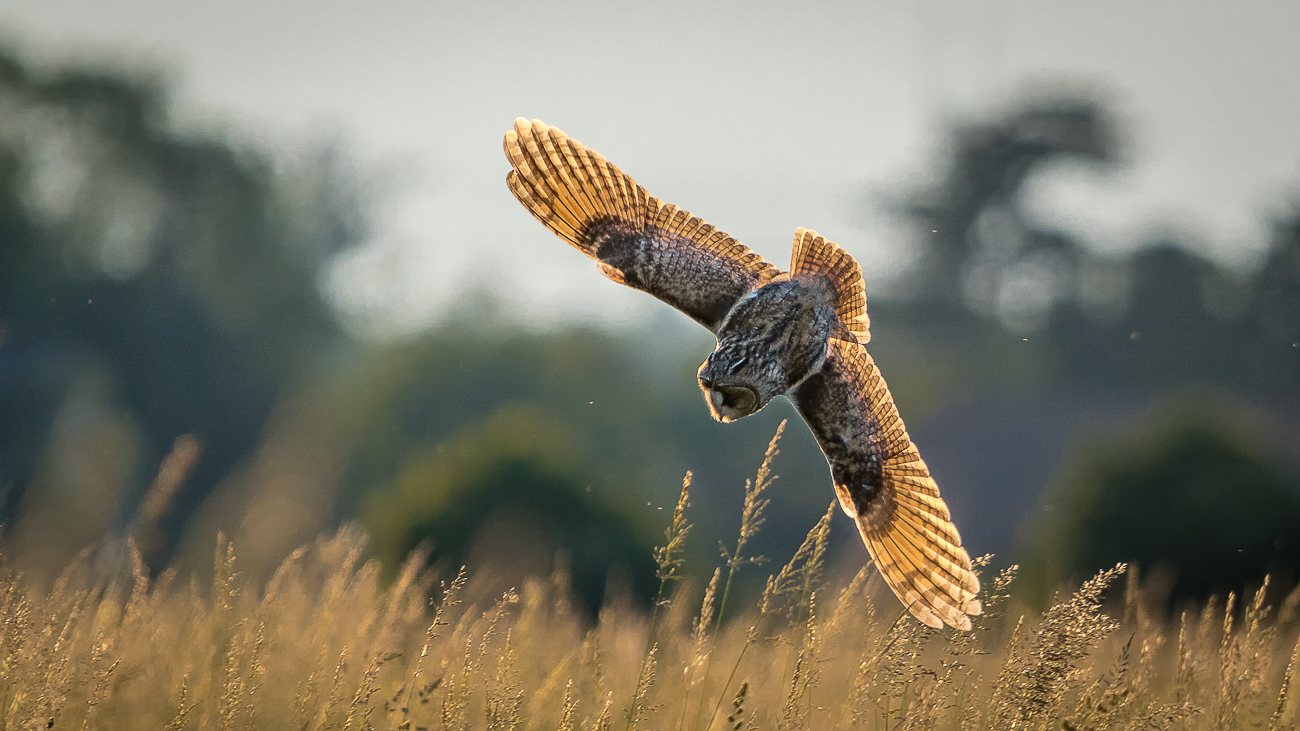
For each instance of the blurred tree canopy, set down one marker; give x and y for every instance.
(1031, 315)
(1192, 493)
(513, 492)
(158, 284)
(174, 271)
(1165, 315)
(978, 245)
(595, 432)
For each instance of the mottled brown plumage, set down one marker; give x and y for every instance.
(799, 333)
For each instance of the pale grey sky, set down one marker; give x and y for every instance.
(759, 117)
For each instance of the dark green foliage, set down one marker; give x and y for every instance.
(511, 493)
(1162, 316)
(990, 163)
(1192, 493)
(621, 419)
(177, 270)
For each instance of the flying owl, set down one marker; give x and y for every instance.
(799, 333)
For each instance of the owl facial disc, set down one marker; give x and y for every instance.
(728, 388)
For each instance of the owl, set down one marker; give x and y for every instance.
(799, 333)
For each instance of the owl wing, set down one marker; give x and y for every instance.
(883, 484)
(635, 238)
(813, 256)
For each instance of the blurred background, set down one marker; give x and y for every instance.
(260, 273)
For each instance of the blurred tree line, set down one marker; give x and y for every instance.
(1161, 315)
(1202, 485)
(152, 284)
(169, 366)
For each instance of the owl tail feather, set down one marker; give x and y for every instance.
(813, 255)
(922, 560)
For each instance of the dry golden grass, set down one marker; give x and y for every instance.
(324, 644)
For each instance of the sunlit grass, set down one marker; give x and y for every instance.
(325, 644)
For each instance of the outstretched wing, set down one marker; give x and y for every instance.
(635, 238)
(883, 484)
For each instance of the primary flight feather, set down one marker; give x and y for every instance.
(799, 333)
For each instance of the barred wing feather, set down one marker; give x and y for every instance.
(635, 238)
(883, 484)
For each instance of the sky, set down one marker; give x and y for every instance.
(759, 117)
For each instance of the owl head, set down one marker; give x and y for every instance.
(729, 388)
(737, 382)
(770, 341)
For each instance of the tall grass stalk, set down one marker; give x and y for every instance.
(668, 563)
(751, 520)
(326, 644)
(797, 578)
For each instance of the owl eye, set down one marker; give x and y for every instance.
(737, 365)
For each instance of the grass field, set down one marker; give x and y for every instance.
(325, 644)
